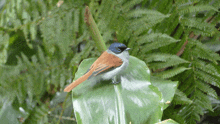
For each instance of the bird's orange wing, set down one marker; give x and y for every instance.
(104, 63)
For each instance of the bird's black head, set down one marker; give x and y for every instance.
(118, 48)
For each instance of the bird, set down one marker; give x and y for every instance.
(111, 63)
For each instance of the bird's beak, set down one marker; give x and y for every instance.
(127, 49)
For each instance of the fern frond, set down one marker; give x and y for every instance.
(163, 57)
(204, 47)
(153, 37)
(40, 115)
(194, 116)
(196, 81)
(202, 100)
(3, 47)
(172, 72)
(181, 98)
(187, 111)
(207, 78)
(129, 4)
(145, 12)
(171, 113)
(155, 45)
(192, 112)
(199, 24)
(165, 60)
(208, 68)
(150, 20)
(191, 88)
(33, 31)
(42, 59)
(169, 63)
(203, 55)
(76, 20)
(139, 30)
(196, 50)
(144, 19)
(203, 51)
(81, 55)
(186, 77)
(198, 8)
(206, 88)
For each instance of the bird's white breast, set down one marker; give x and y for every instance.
(124, 56)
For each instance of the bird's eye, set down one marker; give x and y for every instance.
(122, 48)
(118, 49)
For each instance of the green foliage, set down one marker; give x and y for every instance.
(171, 73)
(181, 98)
(42, 44)
(168, 121)
(3, 47)
(134, 97)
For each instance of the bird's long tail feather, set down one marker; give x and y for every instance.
(77, 82)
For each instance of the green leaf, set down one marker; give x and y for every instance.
(199, 50)
(11, 115)
(206, 88)
(133, 98)
(181, 98)
(145, 12)
(76, 21)
(156, 37)
(162, 57)
(172, 72)
(205, 28)
(155, 45)
(164, 60)
(40, 114)
(208, 68)
(214, 46)
(166, 87)
(142, 19)
(33, 31)
(203, 100)
(207, 78)
(130, 4)
(168, 121)
(145, 26)
(190, 9)
(4, 42)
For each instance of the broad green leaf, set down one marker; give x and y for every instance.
(134, 100)
(10, 115)
(61, 103)
(168, 121)
(166, 87)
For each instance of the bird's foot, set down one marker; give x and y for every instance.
(115, 81)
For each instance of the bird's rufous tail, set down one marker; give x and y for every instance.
(77, 82)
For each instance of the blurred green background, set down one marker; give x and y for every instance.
(42, 43)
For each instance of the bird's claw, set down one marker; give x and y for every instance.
(115, 82)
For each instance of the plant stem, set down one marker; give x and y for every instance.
(94, 31)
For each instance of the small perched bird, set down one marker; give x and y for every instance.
(110, 64)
